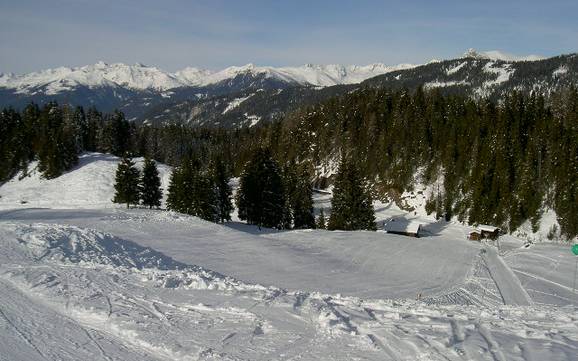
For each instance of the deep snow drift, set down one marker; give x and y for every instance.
(99, 282)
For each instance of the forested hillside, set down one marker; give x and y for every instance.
(499, 164)
(495, 163)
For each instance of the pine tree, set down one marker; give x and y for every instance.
(351, 205)
(320, 223)
(127, 183)
(221, 179)
(151, 192)
(261, 197)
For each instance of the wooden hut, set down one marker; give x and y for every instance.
(484, 231)
(487, 231)
(475, 235)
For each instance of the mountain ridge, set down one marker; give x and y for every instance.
(198, 97)
(143, 77)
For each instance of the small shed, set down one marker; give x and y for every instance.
(404, 227)
(487, 231)
(484, 231)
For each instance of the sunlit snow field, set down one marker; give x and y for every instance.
(83, 279)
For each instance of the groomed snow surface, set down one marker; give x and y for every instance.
(86, 280)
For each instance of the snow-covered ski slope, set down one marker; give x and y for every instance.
(90, 281)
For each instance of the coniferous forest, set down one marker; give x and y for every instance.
(500, 163)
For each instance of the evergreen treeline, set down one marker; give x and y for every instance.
(500, 163)
(55, 135)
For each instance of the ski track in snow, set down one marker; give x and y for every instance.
(508, 284)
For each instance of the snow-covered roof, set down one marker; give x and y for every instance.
(487, 228)
(402, 225)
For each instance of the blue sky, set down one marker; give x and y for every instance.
(171, 34)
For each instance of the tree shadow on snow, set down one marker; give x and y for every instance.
(434, 229)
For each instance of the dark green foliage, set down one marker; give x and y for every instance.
(221, 177)
(298, 197)
(14, 147)
(500, 164)
(150, 191)
(192, 191)
(126, 184)
(351, 205)
(57, 148)
(261, 197)
(55, 135)
(117, 134)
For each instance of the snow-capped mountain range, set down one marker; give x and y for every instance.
(142, 77)
(200, 97)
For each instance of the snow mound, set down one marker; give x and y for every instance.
(89, 184)
(69, 244)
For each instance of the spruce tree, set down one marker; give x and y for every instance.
(221, 179)
(261, 197)
(351, 205)
(127, 183)
(150, 192)
(192, 191)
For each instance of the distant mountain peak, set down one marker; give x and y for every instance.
(499, 55)
(472, 53)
